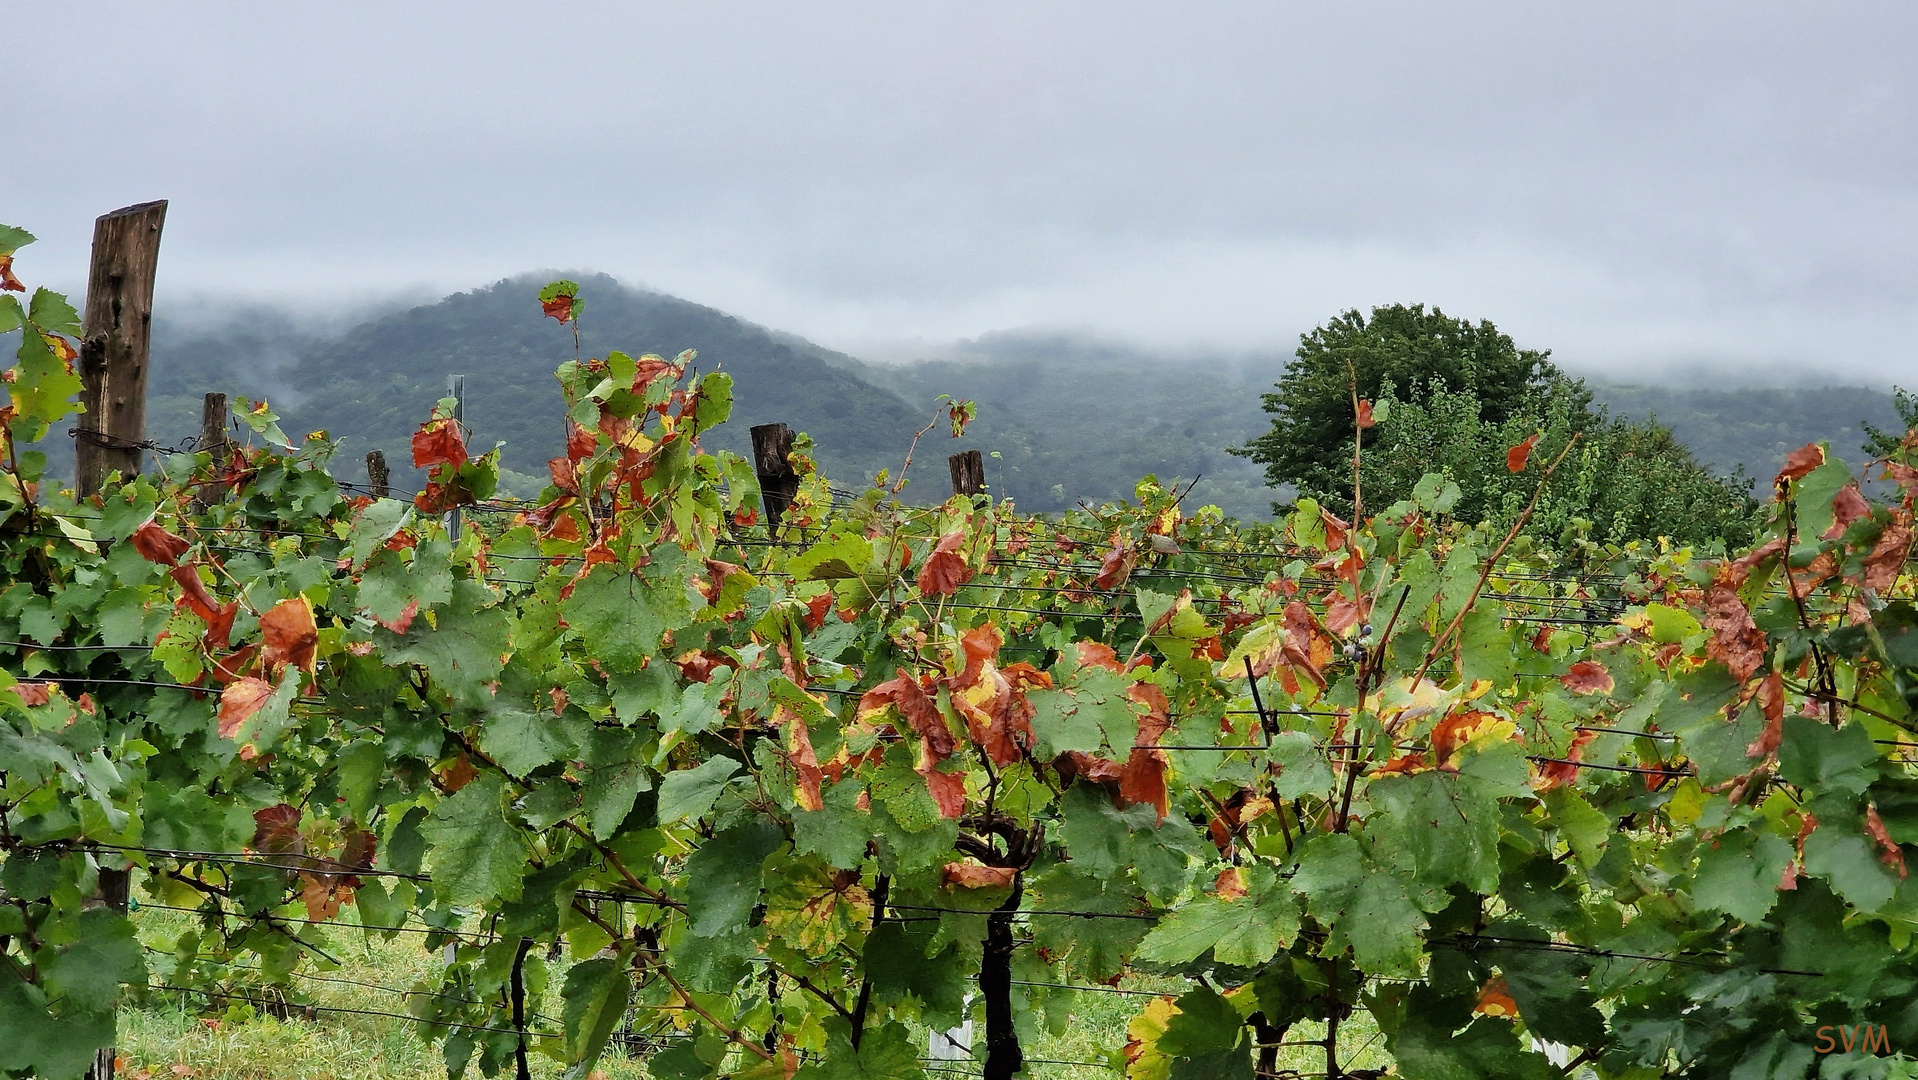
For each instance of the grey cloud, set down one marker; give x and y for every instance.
(1633, 185)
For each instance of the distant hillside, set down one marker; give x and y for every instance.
(1753, 429)
(1080, 420)
(1070, 418)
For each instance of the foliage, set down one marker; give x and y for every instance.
(788, 793)
(1414, 352)
(1879, 443)
(1623, 481)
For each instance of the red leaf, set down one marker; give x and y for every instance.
(580, 443)
(438, 442)
(1343, 613)
(1559, 774)
(1893, 856)
(276, 831)
(1887, 558)
(1736, 640)
(973, 875)
(1846, 507)
(33, 693)
(1517, 456)
(559, 307)
(1771, 701)
(239, 701)
(1494, 999)
(921, 715)
(948, 790)
(1143, 779)
(1365, 414)
(155, 544)
(1230, 884)
(221, 627)
(404, 620)
(1587, 677)
(193, 593)
(945, 570)
(290, 635)
(7, 281)
(359, 849)
(816, 610)
(458, 773)
(1801, 462)
(805, 762)
(1098, 654)
(1116, 566)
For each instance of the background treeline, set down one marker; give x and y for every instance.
(1071, 419)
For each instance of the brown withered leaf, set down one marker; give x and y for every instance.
(1771, 702)
(1800, 463)
(239, 701)
(193, 592)
(1846, 507)
(33, 693)
(157, 545)
(974, 875)
(1230, 884)
(1143, 778)
(1564, 773)
(8, 282)
(1116, 566)
(904, 693)
(1587, 677)
(1892, 856)
(1365, 414)
(1736, 640)
(1887, 558)
(945, 570)
(290, 635)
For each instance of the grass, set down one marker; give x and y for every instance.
(177, 1036)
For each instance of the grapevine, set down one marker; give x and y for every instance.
(800, 793)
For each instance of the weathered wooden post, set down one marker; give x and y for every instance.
(213, 427)
(968, 472)
(376, 474)
(778, 482)
(214, 441)
(114, 342)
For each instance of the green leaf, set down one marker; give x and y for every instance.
(1058, 726)
(594, 997)
(838, 832)
(620, 616)
(1850, 862)
(1206, 1023)
(90, 970)
(477, 854)
(697, 709)
(1815, 492)
(465, 650)
(886, 1052)
(52, 314)
(842, 553)
(1443, 825)
(1740, 874)
(1383, 925)
(522, 740)
(1302, 766)
(1584, 829)
(13, 238)
(34, 1042)
(1245, 932)
(686, 793)
(1821, 760)
(614, 778)
(374, 526)
(721, 880)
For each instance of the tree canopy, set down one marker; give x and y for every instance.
(1447, 395)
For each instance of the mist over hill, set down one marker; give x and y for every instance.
(1070, 418)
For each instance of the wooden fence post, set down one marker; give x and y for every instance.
(376, 474)
(213, 440)
(968, 472)
(778, 483)
(213, 427)
(114, 342)
(111, 892)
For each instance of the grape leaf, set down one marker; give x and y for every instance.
(478, 854)
(686, 793)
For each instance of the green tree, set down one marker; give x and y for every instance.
(1624, 480)
(1882, 444)
(1410, 349)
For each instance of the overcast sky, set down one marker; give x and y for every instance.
(1639, 187)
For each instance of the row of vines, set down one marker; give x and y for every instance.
(790, 795)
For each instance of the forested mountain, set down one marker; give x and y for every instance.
(1071, 418)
